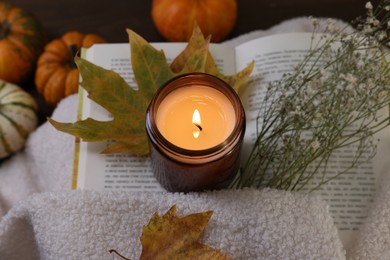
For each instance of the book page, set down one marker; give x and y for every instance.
(351, 194)
(124, 171)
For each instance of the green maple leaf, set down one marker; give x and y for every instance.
(128, 106)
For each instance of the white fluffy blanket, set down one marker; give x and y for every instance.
(43, 219)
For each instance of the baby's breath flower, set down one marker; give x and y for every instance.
(369, 6)
(330, 100)
(315, 144)
(314, 21)
(331, 25)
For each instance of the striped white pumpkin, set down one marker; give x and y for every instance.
(18, 117)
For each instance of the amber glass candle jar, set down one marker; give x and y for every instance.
(195, 124)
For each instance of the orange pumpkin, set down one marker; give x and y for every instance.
(57, 75)
(175, 19)
(22, 39)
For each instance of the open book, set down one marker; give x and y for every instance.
(349, 196)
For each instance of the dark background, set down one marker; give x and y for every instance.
(110, 18)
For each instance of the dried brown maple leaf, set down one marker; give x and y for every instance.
(171, 237)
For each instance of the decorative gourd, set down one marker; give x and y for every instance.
(57, 75)
(22, 40)
(18, 117)
(175, 19)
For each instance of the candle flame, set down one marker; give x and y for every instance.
(196, 117)
(197, 122)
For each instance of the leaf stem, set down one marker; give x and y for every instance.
(118, 254)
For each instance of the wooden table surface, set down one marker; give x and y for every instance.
(110, 18)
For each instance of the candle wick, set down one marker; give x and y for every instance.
(198, 126)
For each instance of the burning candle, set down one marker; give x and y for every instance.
(195, 124)
(195, 117)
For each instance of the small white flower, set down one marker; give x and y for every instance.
(315, 144)
(350, 78)
(331, 27)
(316, 102)
(367, 29)
(314, 21)
(324, 73)
(309, 91)
(339, 87)
(382, 35)
(360, 64)
(370, 20)
(349, 87)
(387, 7)
(369, 5)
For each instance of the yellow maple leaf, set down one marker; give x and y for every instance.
(171, 237)
(196, 42)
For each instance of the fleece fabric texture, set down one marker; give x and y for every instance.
(246, 224)
(41, 218)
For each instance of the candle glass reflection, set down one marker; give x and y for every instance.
(195, 125)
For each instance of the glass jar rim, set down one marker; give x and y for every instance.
(204, 155)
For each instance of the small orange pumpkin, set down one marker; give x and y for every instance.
(175, 19)
(56, 75)
(22, 39)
